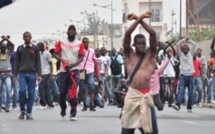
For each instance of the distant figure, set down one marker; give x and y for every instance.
(6, 51)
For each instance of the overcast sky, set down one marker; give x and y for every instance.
(44, 17)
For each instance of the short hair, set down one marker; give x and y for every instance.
(26, 33)
(40, 44)
(199, 49)
(51, 50)
(138, 36)
(85, 38)
(71, 27)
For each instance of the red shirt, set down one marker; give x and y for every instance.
(197, 65)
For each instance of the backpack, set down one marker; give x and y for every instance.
(115, 66)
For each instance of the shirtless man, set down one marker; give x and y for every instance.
(138, 110)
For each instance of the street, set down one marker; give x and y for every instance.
(106, 121)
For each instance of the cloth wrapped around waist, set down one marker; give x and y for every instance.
(136, 111)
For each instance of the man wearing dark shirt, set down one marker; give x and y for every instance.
(28, 66)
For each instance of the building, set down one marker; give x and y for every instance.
(140, 6)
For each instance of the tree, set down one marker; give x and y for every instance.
(93, 23)
(203, 34)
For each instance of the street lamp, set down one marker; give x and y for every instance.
(173, 13)
(111, 8)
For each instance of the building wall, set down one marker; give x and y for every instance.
(141, 6)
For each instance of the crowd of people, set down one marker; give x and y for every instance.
(134, 80)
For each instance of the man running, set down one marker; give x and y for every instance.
(138, 110)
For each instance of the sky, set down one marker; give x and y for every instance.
(44, 17)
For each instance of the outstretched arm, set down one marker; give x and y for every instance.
(127, 37)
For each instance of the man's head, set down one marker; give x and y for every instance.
(27, 38)
(97, 52)
(52, 51)
(113, 51)
(41, 46)
(199, 52)
(3, 48)
(185, 49)
(103, 51)
(140, 44)
(71, 32)
(85, 40)
(194, 56)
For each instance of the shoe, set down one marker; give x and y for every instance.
(41, 107)
(29, 118)
(3, 107)
(110, 103)
(92, 108)
(169, 105)
(15, 109)
(176, 107)
(22, 116)
(51, 106)
(7, 110)
(189, 110)
(63, 113)
(84, 109)
(199, 104)
(73, 118)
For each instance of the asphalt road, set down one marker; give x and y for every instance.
(105, 121)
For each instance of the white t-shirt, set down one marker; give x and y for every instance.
(102, 61)
(169, 70)
(108, 62)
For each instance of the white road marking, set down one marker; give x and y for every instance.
(195, 123)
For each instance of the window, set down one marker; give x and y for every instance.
(155, 15)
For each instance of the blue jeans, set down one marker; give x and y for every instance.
(15, 96)
(89, 80)
(54, 88)
(5, 81)
(211, 85)
(116, 82)
(197, 84)
(44, 91)
(107, 88)
(185, 81)
(27, 84)
(65, 83)
(97, 101)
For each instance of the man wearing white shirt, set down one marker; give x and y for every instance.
(103, 64)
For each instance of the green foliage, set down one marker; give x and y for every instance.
(201, 35)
